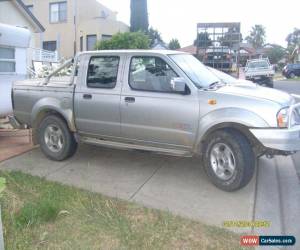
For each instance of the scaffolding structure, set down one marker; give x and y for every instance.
(218, 45)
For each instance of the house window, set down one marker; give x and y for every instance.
(58, 12)
(106, 37)
(7, 60)
(30, 8)
(91, 42)
(49, 45)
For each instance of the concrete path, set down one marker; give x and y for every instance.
(178, 185)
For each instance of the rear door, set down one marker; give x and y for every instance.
(151, 112)
(97, 98)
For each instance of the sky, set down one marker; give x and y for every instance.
(178, 19)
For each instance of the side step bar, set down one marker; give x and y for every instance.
(120, 145)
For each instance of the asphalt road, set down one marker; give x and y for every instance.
(292, 87)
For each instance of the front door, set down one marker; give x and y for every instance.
(151, 112)
(97, 98)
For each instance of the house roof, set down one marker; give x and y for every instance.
(30, 17)
(159, 45)
(192, 49)
(189, 49)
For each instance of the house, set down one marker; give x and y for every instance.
(73, 25)
(191, 49)
(159, 45)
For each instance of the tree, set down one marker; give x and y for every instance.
(203, 40)
(154, 36)
(293, 40)
(276, 53)
(174, 44)
(257, 36)
(127, 40)
(139, 16)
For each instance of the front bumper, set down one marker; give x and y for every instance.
(260, 79)
(284, 139)
(279, 139)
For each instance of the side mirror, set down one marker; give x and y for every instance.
(179, 85)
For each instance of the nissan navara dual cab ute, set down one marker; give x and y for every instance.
(162, 101)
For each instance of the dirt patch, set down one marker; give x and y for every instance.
(13, 142)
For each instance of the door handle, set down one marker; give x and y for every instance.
(129, 99)
(87, 96)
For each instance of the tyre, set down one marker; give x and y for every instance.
(55, 139)
(229, 160)
(292, 75)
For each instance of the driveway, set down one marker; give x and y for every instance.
(164, 182)
(175, 184)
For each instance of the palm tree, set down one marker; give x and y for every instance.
(257, 36)
(174, 44)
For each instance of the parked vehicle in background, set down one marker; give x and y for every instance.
(260, 71)
(162, 101)
(219, 58)
(291, 70)
(14, 42)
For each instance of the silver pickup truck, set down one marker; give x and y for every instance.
(162, 101)
(260, 71)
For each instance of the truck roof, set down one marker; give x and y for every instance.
(135, 51)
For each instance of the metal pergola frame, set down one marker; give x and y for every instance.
(219, 33)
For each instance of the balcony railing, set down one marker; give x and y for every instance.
(41, 55)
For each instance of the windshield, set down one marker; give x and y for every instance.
(261, 64)
(223, 76)
(195, 70)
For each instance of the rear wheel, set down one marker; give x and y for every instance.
(229, 160)
(55, 138)
(292, 75)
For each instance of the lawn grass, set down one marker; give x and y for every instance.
(294, 79)
(38, 214)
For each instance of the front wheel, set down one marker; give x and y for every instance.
(229, 160)
(55, 139)
(292, 75)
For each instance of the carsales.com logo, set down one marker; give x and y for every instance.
(254, 240)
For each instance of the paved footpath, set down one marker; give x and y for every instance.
(178, 185)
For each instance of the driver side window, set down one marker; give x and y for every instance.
(150, 74)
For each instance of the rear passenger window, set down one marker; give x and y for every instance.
(103, 72)
(150, 74)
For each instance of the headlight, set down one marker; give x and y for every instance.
(283, 118)
(295, 117)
